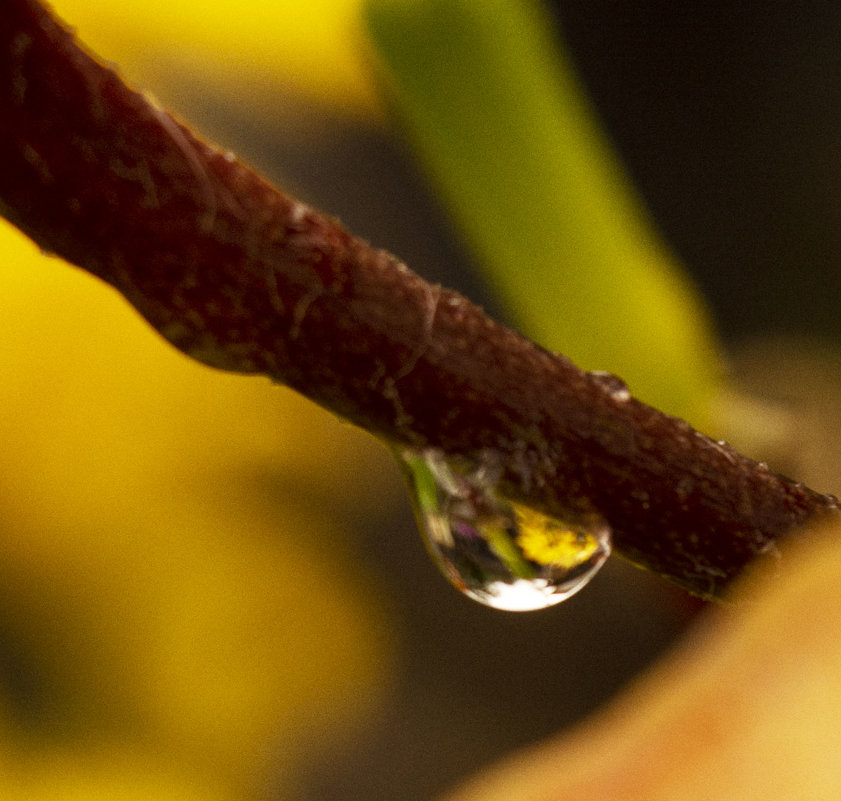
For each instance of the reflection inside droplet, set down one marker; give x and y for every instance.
(497, 552)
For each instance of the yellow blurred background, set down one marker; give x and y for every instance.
(169, 581)
(181, 612)
(252, 52)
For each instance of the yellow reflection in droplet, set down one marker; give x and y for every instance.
(549, 542)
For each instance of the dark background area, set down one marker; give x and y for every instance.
(727, 115)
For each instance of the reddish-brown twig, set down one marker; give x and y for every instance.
(245, 278)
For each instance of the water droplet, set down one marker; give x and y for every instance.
(612, 384)
(495, 551)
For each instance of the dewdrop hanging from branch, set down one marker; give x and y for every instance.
(499, 553)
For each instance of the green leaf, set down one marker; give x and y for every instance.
(511, 145)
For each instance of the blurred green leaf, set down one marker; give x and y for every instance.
(498, 120)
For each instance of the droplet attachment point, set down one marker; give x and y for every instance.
(498, 552)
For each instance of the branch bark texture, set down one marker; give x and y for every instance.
(242, 277)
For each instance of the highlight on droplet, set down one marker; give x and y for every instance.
(498, 552)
